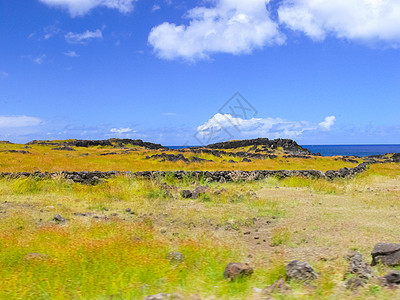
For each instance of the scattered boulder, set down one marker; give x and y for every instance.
(354, 283)
(278, 287)
(59, 219)
(64, 148)
(200, 190)
(386, 253)
(16, 151)
(359, 267)
(391, 280)
(246, 160)
(198, 159)
(186, 194)
(169, 157)
(175, 257)
(300, 271)
(235, 270)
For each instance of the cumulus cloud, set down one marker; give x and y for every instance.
(71, 54)
(260, 127)
(18, 121)
(328, 123)
(81, 7)
(364, 20)
(83, 38)
(229, 26)
(121, 130)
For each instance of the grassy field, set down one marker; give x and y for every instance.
(44, 158)
(116, 237)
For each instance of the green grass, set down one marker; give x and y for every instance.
(117, 253)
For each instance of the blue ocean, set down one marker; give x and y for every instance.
(345, 150)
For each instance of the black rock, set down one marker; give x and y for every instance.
(235, 270)
(386, 253)
(186, 194)
(390, 279)
(59, 219)
(300, 271)
(359, 267)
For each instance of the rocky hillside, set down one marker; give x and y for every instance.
(287, 145)
(121, 143)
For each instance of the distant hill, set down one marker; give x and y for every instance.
(287, 145)
(114, 142)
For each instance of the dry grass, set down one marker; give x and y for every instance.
(43, 158)
(111, 253)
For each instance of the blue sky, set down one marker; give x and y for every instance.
(320, 72)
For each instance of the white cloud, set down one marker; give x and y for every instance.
(230, 26)
(261, 127)
(50, 31)
(71, 54)
(81, 7)
(121, 130)
(18, 121)
(364, 20)
(155, 8)
(328, 123)
(39, 59)
(83, 38)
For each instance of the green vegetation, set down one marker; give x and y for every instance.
(117, 235)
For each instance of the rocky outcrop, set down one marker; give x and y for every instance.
(16, 151)
(220, 153)
(103, 143)
(386, 253)
(64, 148)
(287, 145)
(169, 157)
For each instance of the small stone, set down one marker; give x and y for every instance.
(278, 287)
(186, 194)
(59, 219)
(175, 257)
(300, 271)
(235, 270)
(128, 210)
(354, 283)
